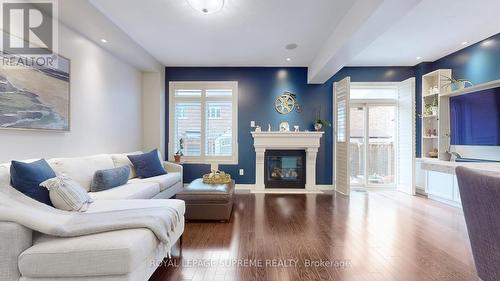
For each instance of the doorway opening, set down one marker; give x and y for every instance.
(373, 135)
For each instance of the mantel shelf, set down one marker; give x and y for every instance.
(287, 134)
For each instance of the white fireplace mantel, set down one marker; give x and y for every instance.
(308, 141)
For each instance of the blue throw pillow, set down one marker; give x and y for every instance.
(147, 165)
(26, 177)
(109, 178)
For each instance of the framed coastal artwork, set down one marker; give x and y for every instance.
(36, 98)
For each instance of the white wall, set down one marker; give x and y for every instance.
(153, 107)
(106, 107)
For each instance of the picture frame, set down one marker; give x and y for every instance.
(36, 98)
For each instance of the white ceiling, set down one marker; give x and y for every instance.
(330, 33)
(244, 33)
(83, 17)
(433, 29)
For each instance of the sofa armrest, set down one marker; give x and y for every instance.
(172, 167)
(14, 239)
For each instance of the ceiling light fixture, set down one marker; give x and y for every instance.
(104, 41)
(465, 43)
(419, 58)
(206, 6)
(288, 59)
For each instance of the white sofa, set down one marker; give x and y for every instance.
(116, 255)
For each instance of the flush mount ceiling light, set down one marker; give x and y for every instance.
(288, 59)
(104, 40)
(206, 6)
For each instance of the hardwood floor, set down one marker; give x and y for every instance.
(370, 236)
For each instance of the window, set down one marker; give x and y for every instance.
(214, 112)
(204, 115)
(181, 112)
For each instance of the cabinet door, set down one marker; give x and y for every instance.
(456, 192)
(440, 185)
(419, 175)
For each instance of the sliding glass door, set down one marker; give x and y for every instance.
(381, 152)
(357, 145)
(373, 139)
(373, 145)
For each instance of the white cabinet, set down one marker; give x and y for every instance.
(419, 175)
(456, 192)
(442, 187)
(435, 114)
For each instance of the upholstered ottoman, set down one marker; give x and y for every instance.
(207, 201)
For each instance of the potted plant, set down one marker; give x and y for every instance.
(178, 154)
(319, 124)
(434, 105)
(456, 84)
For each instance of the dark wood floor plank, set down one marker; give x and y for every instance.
(369, 236)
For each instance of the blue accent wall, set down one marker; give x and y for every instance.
(478, 63)
(258, 89)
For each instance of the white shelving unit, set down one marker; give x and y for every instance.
(435, 114)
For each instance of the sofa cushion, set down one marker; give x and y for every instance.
(26, 177)
(81, 169)
(66, 194)
(122, 160)
(136, 190)
(148, 164)
(165, 181)
(109, 178)
(109, 253)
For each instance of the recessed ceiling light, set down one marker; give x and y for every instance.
(419, 58)
(206, 6)
(104, 41)
(488, 43)
(291, 46)
(465, 43)
(288, 59)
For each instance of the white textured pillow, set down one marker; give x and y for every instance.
(66, 194)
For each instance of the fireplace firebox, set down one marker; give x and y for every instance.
(285, 169)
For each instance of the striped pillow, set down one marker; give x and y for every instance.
(66, 194)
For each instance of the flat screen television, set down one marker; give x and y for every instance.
(475, 118)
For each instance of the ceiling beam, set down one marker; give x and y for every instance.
(363, 23)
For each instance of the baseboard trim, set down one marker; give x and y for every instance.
(325, 186)
(240, 186)
(251, 187)
(420, 191)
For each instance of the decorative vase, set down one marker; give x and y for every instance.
(318, 126)
(457, 86)
(177, 158)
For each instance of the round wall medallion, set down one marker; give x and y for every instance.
(285, 103)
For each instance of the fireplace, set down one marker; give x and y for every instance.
(285, 169)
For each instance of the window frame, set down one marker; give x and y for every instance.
(203, 86)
